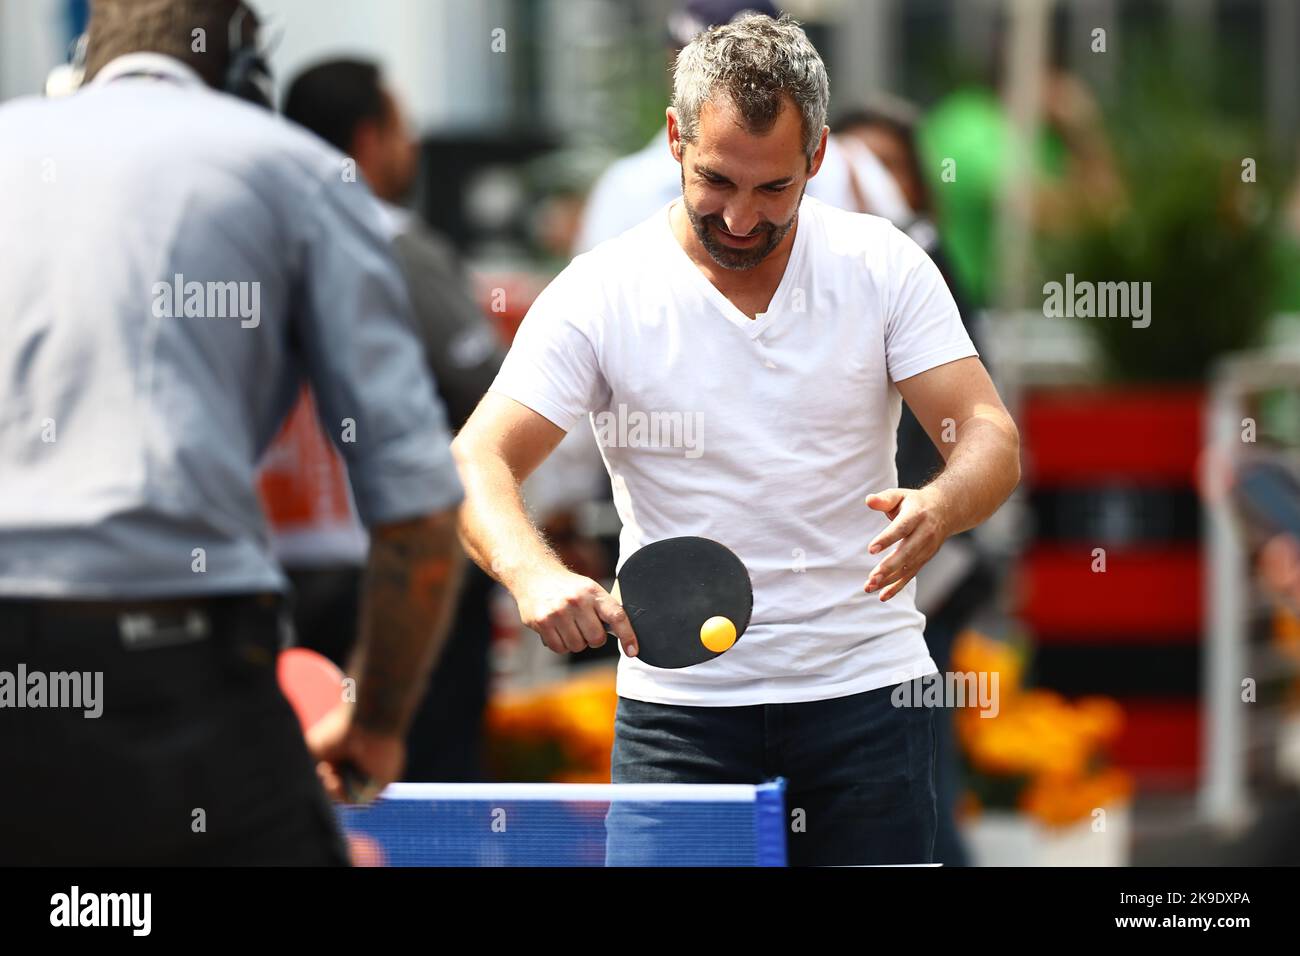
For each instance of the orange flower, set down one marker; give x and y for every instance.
(572, 720)
(1039, 734)
(972, 652)
(1101, 717)
(1060, 801)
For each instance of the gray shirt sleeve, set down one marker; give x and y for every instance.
(460, 345)
(365, 364)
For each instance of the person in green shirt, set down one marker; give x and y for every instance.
(964, 143)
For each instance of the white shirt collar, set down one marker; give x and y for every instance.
(156, 64)
(396, 219)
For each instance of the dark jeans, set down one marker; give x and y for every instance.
(859, 770)
(195, 758)
(949, 847)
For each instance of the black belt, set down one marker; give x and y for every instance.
(148, 623)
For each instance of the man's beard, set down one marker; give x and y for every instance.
(737, 260)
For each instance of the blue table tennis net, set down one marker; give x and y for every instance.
(435, 824)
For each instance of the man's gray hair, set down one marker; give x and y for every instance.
(756, 62)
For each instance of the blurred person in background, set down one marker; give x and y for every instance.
(1278, 563)
(887, 126)
(633, 187)
(132, 547)
(319, 537)
(965, 141)
(959, 579)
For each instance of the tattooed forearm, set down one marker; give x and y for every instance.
(409, 593)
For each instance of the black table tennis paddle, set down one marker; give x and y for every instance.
(684, 597)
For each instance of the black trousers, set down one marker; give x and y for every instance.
(195, 757)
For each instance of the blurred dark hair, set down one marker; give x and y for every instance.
(118, 27)
(897, 117)
(333, 98)
(693, 17)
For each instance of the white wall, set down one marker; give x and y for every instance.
(436, 53)
(32, 42)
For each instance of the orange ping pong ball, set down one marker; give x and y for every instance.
(718, 634)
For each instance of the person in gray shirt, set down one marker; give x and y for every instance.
(173, 263)
(347, 103)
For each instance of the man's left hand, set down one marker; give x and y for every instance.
(918, 522)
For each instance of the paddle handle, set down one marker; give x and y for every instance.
(358, 788)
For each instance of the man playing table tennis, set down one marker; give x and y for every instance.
(785, 332)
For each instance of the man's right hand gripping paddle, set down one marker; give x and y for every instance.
(677, 602)
(571, 612)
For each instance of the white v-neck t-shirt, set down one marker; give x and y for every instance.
(765, 434)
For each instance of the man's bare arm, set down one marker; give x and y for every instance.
(960, 410)
(982, 465)
(502, 444)
(409, 591)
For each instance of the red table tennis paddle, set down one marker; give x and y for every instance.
(314, 687)
(689, 600)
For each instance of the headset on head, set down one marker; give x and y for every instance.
(247, 76)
